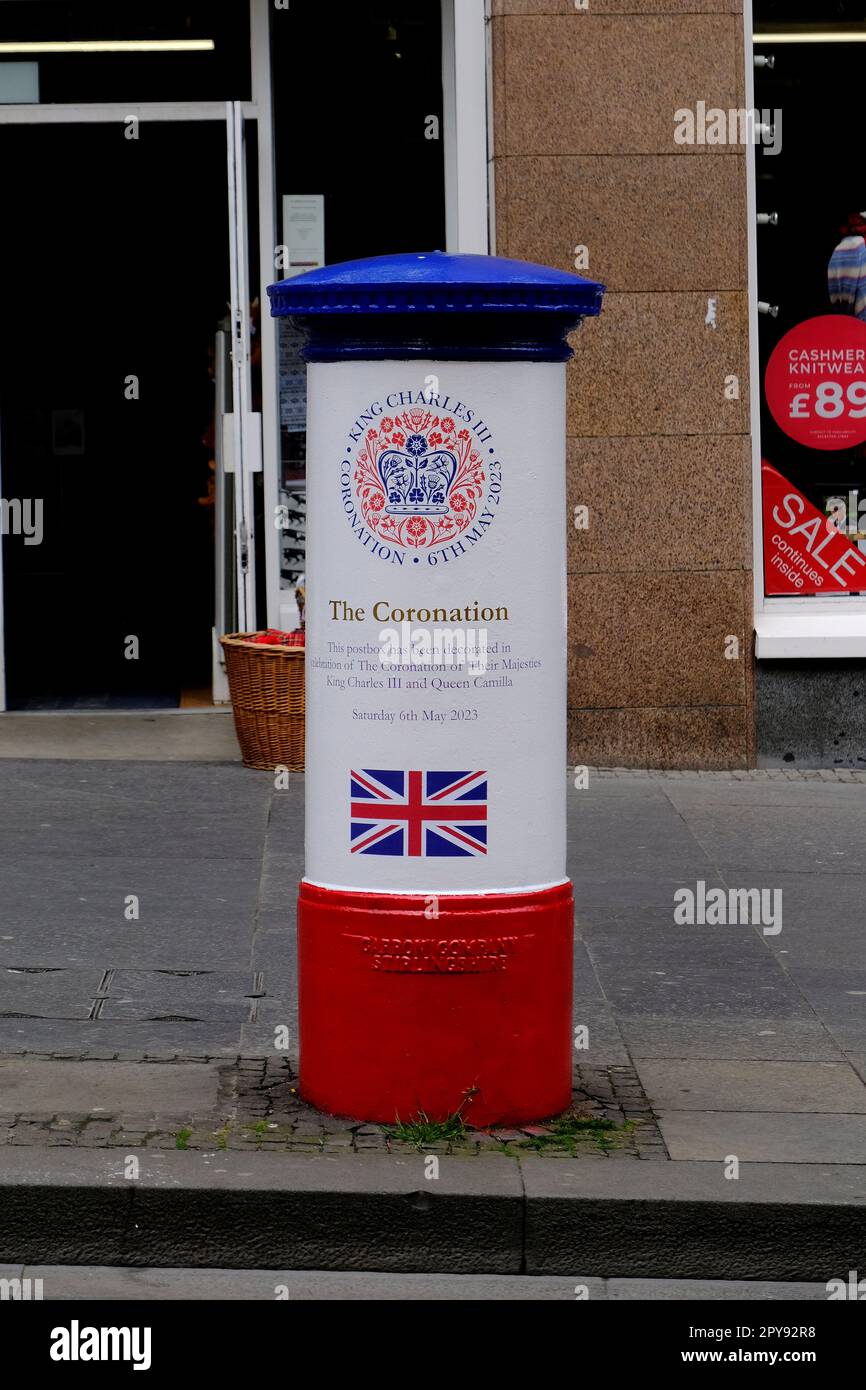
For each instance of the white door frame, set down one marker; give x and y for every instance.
(467, 125)
(260, 57)
(244, 425)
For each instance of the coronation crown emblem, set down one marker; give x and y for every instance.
(418, 479)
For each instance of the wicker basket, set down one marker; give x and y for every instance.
(267, 689)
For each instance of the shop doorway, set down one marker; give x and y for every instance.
(115, 279)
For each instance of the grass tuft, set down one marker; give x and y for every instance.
(569, 1129)
(420, 1130)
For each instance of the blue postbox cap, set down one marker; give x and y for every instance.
(432, 304)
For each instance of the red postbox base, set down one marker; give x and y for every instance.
(410, 1003)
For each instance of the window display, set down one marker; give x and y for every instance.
(811, 238)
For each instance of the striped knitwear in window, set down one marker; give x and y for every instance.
(846, 276)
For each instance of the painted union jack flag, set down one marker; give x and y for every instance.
(429, 814)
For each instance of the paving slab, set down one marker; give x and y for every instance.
(127, 788)
(282, 871)
(708, 994)
(635, 940)
(604, 1039)
(48, 992)
(785, 1039)
(663, 848)
(849, 1035)
(584, 978)
(280, 973)
(822, 920)
(858, 1062)
(764, 1138)
(837, 994)
(163, 1038)
(794, 839)
(181, 735)
(121, 1088)
(287, 804)
(158, 994)
(606, 898)
(147, 832)
(626, 785)
(817, 1087)
(687, 794)
(187, 894)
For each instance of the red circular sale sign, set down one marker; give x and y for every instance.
(816, 382)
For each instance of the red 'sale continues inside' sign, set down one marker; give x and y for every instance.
(805, 552)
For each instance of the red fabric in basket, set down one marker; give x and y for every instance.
(274, 638)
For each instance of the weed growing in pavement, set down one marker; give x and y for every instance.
(567, 1130)
(420, 1129)
(222, 1135)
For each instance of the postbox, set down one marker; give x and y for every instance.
(435, 916)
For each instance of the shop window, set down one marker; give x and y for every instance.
(811, 290)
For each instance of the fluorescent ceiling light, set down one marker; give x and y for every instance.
(111, 46)
(812, 36)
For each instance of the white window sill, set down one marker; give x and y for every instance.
(790, 635)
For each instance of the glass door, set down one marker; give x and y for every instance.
(121, 261)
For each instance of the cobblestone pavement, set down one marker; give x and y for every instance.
(258, 1108)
